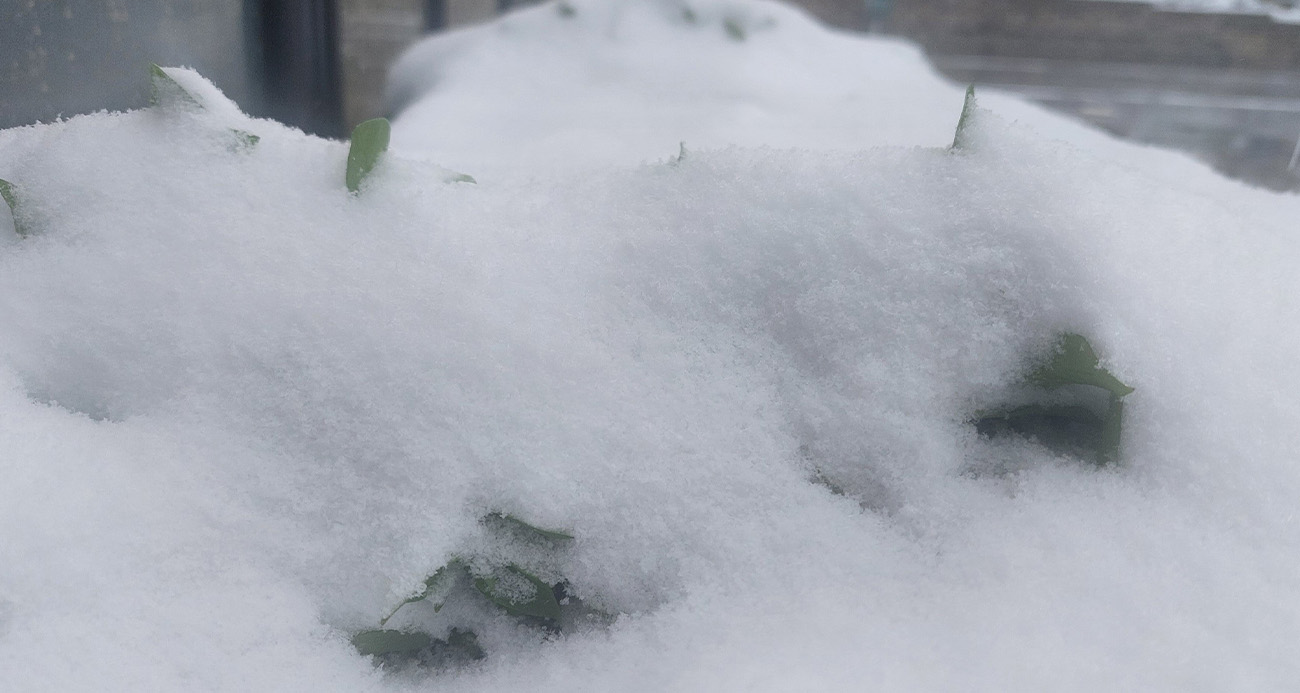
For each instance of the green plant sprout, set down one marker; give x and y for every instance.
(1081, 408)
(369, 142)
(960, 139)
(10, 197)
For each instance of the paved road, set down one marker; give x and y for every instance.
(1245, 122)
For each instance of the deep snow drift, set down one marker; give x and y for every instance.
(243, 414)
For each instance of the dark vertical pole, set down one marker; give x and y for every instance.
(435, 15)
(301, 81)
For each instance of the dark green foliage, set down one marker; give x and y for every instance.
(511, 587)
(401, 648)
(1080, 411)
(10, 196)
(960, 139)
(389, 642)
(369, 142)
(689, 16)
(565, 10)
(1075, 363)
(520, 593)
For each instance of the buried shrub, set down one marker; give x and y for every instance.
(1070, 405)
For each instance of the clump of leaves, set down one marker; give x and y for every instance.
(565, 10)
(10, 196)
(961, 139)
(1077, 405)
(510, 587)
(369, 142)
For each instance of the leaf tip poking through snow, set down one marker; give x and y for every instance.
(369, 142)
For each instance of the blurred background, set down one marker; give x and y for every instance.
(1218, 78)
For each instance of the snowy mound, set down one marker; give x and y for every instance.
(596, 81)
(245, 414)
(584, 83)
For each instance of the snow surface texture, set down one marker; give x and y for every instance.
(244, 413)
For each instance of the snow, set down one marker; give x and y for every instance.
(244, 414)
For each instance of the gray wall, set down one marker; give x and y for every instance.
(64, 57)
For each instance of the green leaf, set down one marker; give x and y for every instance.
(167, 92)
(519, 593)
(369, 142)
(461, 178)
(1108, 447)
(565, 9)
(437, 584)
(10, 197)
(1068, 426)
(689, 16)
(1075, 363)
(510, 523)
(244, 140)
(959, 139)
(735, 30)
(388, 642)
